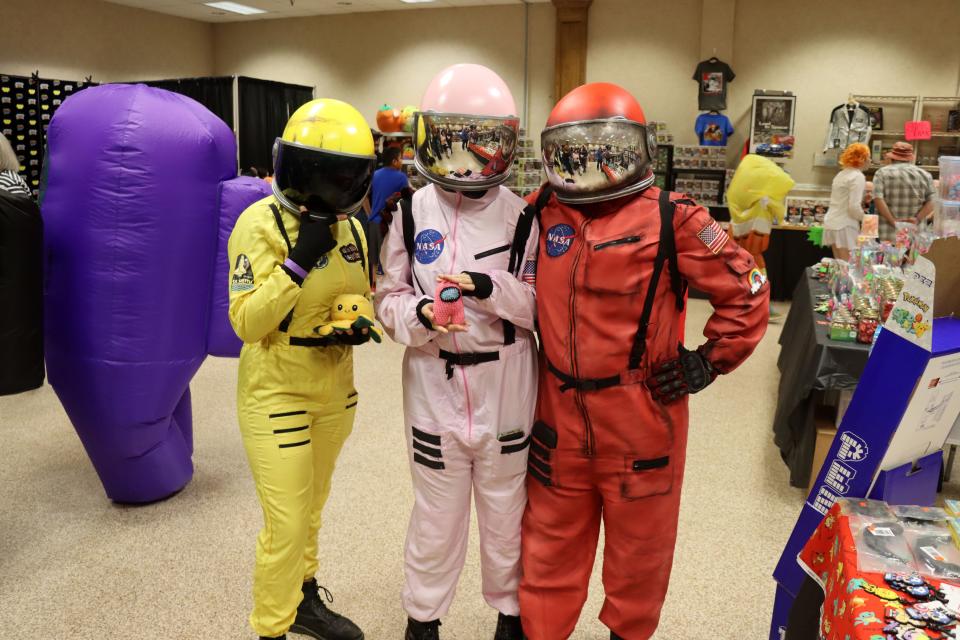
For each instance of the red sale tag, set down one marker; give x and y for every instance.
(918, 130)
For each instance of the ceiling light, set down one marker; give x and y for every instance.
(416, 1)
(235, 7)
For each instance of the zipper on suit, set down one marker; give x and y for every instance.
(453, 336)
(613, 243)
(588, 443)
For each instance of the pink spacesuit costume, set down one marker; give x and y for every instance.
(469, 397)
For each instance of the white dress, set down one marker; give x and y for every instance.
(841, 225)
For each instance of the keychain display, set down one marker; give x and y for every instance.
(27, 103)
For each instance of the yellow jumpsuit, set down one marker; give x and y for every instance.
(295, 402)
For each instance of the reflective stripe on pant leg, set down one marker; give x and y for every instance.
(329, 432)
(439, 524)
(283, 473)
(559, 539)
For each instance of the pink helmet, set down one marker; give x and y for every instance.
(467, 129)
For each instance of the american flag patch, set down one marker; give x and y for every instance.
(713, 236)
(529, 274)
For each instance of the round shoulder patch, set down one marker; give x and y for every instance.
(559, 239)
(428, 245)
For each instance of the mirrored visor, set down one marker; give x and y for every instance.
(589, 160)
(465, 152)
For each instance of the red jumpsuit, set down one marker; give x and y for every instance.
(612, 452)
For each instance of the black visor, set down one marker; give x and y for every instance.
(323, 181)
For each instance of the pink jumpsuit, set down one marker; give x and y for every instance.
(467, 426)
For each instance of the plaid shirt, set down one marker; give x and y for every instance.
(905, 188)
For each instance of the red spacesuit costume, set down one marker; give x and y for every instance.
(611, 431)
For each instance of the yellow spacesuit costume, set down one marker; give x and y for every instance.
(296, 400)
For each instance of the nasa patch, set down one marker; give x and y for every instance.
(428, 245)
(559, 239)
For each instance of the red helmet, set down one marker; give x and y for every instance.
(597, 145)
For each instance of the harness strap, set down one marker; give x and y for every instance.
(582, 384)
(285, 323)
(467, 359)
(325, 341)
(665, 251)
(360, 247)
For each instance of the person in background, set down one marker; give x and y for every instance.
(249, 172)
(903, 192)
(841, 225)
(390, 183)
(10, 179)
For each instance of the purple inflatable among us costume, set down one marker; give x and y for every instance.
(140, 198)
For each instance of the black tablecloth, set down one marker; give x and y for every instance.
(788, 257)
(809, 362)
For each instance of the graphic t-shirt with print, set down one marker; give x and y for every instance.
(713, 129)
(712, 77)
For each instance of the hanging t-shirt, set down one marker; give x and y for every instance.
(713, 75)
(713, 129)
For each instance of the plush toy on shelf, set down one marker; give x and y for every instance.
(354, 312)
(407, 117)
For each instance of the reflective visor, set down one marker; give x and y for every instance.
(465, 152)
(597, 160)
(323, 181)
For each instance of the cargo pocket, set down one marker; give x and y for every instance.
(291, 432)
(618, 265)
(645, 477)
(543, 443)
(427, 449)
(512, 459)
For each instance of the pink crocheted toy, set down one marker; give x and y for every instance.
(448, 304)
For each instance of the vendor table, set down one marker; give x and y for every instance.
(810, 365)
(855, 602)
(788, 257)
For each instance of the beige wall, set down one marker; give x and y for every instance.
(820, 49)
(368, 59)
(823, 50)
(651, 48)
(72, 39)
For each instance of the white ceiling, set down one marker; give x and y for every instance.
(196, 10)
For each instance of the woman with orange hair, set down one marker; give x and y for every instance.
(841, 225)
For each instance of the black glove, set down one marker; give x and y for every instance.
(673, 379)
(314, 240)
(483, 285)
(358, 337)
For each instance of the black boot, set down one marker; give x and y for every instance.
(508, 628)
(314, 619)
(283, 637)
(422, 630)
(614, 636)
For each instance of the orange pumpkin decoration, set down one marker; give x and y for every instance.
(389, 119)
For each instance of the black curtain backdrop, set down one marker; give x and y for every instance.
(265, 107)
(215, 94)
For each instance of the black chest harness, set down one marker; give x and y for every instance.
(666, 253)
(324, 341)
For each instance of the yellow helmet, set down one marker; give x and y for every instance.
(325, 158)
